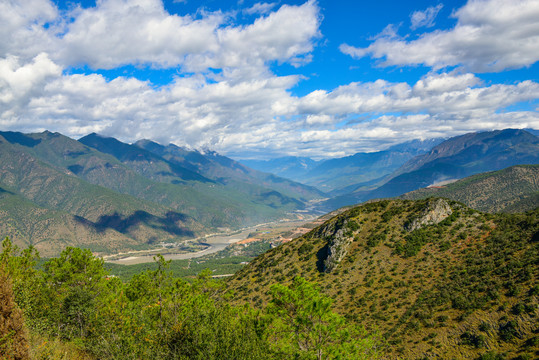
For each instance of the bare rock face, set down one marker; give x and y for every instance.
(435, 212)
(337, 246)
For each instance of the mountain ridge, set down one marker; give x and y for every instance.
(514, 189)
(436, 278)
(454, 158)
(143, 199)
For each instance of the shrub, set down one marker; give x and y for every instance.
(491, 355)
(508, 331)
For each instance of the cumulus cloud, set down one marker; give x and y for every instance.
(436, 94)
(490, 36)
(141, 32)
(284, 36)
(118, 32)
(225, 96)
(443, 83)
(19, 82)
(22, 31)
(425, 18)
(259, 116)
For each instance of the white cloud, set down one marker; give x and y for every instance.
(118, 32)
(490, 36)
(442, 83)
(425, 18)
(243, 107)
(285, 36)
(319, 120)
(260, 116)
(21, 27)
(19, 82)
(141, 32)
(260, 8)
(435, 93)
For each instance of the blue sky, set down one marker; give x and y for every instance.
(256, 79)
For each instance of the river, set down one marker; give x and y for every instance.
(215, 243)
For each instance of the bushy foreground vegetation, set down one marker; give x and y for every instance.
(73, 309)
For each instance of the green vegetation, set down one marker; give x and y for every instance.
(183, 268)
(408, 279)
(456, 158)
(13, 337)
(305, 327)
(451, 288)
(72, 306)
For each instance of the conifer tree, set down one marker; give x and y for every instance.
(13, 334)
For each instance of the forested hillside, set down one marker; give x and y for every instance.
(438, 279)
(389, 279)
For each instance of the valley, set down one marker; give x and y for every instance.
(445, 271)
(214, 243)
(269, 180)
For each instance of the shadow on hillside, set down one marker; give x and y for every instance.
(4, 191)
(127, 224)
(19, 138)
(276, 200)
(321, 256)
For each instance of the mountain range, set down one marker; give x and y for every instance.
(341, 175)
(110, 196)
(452, 159)
(107, 195)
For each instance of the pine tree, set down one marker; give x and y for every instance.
(13, 334)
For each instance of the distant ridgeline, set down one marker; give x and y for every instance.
(515, 189)
(108, 196)
(452, 159)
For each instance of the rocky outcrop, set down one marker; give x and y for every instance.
(435, 212)
(338, 243)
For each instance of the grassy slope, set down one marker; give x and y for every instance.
(515, 189)
(471, 286)
(50, 231)
(48, 189)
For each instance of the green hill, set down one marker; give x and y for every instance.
(438, 279)
(226, 171)
(212, 201)
(515, 189)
